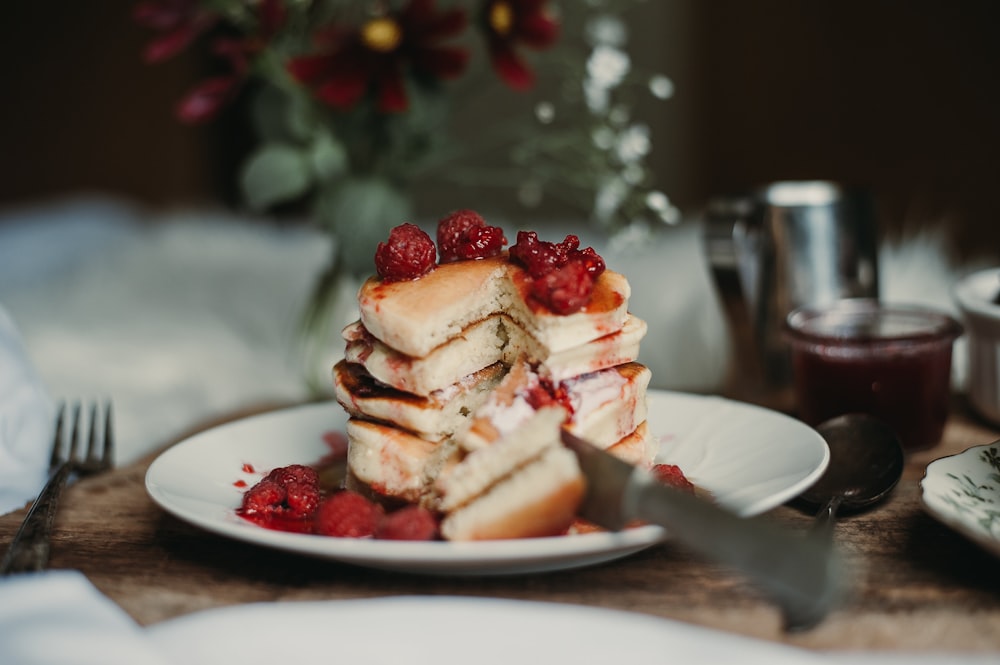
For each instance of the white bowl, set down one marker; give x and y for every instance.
(976, 296)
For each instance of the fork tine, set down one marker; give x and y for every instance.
(109, 438)
(92, 436)
(56, 457)
(74, 439)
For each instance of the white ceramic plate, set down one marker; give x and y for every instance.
(963, 492)
(749, 458)
(446, 630)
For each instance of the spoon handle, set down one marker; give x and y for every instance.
(826, 518)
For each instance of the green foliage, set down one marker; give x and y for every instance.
(275, 173)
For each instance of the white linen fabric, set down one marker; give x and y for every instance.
(26, 421)
(177, 317)
(60, 618)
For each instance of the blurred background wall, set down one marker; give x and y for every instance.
(897, 95)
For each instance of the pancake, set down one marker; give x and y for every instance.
(458, 383)
(434, 417)
(415, 317)
(495, 339)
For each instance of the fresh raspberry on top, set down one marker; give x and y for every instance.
(671, 474)
(408, 523)
(465, 235)
(538, 257)
(563, 273)
(347, 514)
(408, 254)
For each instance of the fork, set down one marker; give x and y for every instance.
(29, 550)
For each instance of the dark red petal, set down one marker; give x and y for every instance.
(392, 94)
(344, 91)
(170, 44)
(207, 98)
(447, 24)
(445, 63)
(272, 17)
(512, 69)
(310, 68)
(160, 15)
(234, 51)
(538, 30)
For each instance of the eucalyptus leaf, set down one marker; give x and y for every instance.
(279, 115)
(360, 212)
(275, 173)
(328, 156)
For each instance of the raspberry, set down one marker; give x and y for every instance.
(671, 474)
(347, 514)
(290, 492)
(408, 254)
(538, 257)
(590, 259)
(263, 498)
(302, 499)
(565, 290)
(409, 523)
(298, 473)
(464, 235)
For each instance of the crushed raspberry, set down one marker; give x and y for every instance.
(408, 523)
(591, 260)
(347, 514)
(565, 290)
(671, 474)
(408, 254)
(264, 498)
(290, 492)
(465, 235)
(547, 394)
(536, 256)
(563, 273)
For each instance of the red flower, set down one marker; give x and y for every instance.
(509, 22)
(181, 22)
(373, 58)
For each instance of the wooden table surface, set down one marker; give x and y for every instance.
(916, 583)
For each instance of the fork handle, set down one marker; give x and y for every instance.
(29, 551)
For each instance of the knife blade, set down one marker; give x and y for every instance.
(802, 572)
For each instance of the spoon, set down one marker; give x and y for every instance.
(866, 462)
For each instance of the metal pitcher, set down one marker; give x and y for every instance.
(799, 243)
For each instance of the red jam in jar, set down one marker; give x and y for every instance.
(889, 361)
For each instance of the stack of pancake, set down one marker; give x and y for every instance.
(457, 385)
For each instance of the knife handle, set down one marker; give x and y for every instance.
(802, 572)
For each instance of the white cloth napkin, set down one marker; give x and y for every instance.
(26, 422)
(60, 618)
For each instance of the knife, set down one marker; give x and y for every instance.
(802, 572)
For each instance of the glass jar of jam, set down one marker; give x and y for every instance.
(889, 361)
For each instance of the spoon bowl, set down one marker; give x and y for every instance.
(866, 462)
